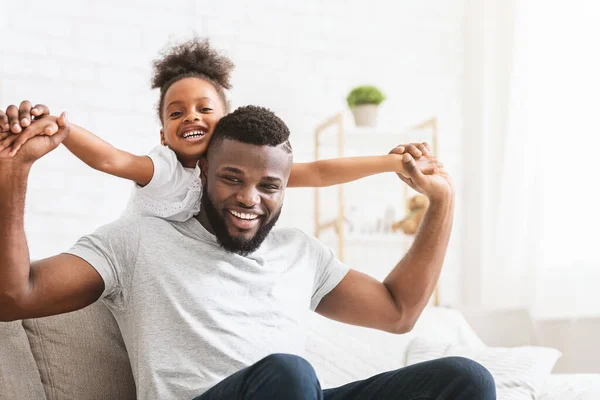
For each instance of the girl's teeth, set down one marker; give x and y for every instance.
(193, 134)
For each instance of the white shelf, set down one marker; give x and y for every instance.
(335, 137)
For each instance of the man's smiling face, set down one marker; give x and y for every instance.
(244, 186)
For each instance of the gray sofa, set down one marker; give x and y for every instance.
(74, 356)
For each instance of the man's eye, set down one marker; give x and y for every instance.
(231, 179)
(271, 187)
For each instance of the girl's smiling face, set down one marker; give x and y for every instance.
(192, 108)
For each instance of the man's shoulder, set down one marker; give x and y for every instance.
(146, 220)
(291, 237)
(134, 224)
(288, 233)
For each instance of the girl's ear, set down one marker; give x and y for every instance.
(162, 138)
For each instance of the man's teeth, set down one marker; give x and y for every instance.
(244, 215)
(193, 134)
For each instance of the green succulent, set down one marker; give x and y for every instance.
(365, 95)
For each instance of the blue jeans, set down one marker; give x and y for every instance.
(288, 377)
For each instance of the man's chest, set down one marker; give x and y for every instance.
(220, 291)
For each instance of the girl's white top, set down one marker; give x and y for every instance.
(173, 193)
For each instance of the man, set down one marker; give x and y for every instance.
(215, 307)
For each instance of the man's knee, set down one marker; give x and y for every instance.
(291, 368)
(475, 376)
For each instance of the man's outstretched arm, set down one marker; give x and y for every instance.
(396, 304)
(51, 286)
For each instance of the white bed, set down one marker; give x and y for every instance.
(571, 387)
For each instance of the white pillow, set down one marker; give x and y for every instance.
(519, 372)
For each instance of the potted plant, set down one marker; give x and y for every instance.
(364, 102)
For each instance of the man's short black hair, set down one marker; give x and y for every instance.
(253, 125)
(192, 58)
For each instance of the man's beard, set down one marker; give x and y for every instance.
(240, 245)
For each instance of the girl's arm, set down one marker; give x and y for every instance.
(86, 146)
(96, 153)
(336, 171)
(104, 157)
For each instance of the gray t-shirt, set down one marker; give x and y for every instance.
(191, 313)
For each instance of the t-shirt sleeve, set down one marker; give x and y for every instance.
(167, 172)
(329, 271)
(112, 251)
(173, 193)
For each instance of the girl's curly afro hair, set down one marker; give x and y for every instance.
(192, 58)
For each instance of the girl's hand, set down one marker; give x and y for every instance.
(421, 154)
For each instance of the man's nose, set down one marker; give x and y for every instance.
(248, 196)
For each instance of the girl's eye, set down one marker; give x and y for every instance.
(175, 114)
(206, 109)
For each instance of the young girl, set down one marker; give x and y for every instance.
(193, 79)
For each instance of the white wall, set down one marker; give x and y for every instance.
(298, 58)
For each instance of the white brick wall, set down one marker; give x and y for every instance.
(298, 58)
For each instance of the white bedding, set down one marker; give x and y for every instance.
(572, 387)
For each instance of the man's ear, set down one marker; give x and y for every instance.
(162, 137)
(203, 162)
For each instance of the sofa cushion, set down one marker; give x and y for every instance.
(81, 355)
(19, 376)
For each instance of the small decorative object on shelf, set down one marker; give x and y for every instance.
(417, 205)
(364, 102)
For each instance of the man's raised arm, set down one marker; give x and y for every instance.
(395, 304)
(54, 285)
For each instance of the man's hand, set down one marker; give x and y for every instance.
(438, 185)
(13, 142)
(38, 139)
(15, 119)
(415, 149)
(423, 156)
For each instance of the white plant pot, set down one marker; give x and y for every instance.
(365, 115)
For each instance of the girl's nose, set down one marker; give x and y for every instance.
(191, 117)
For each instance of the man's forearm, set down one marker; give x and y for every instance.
(14, 253)
(412, 281)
